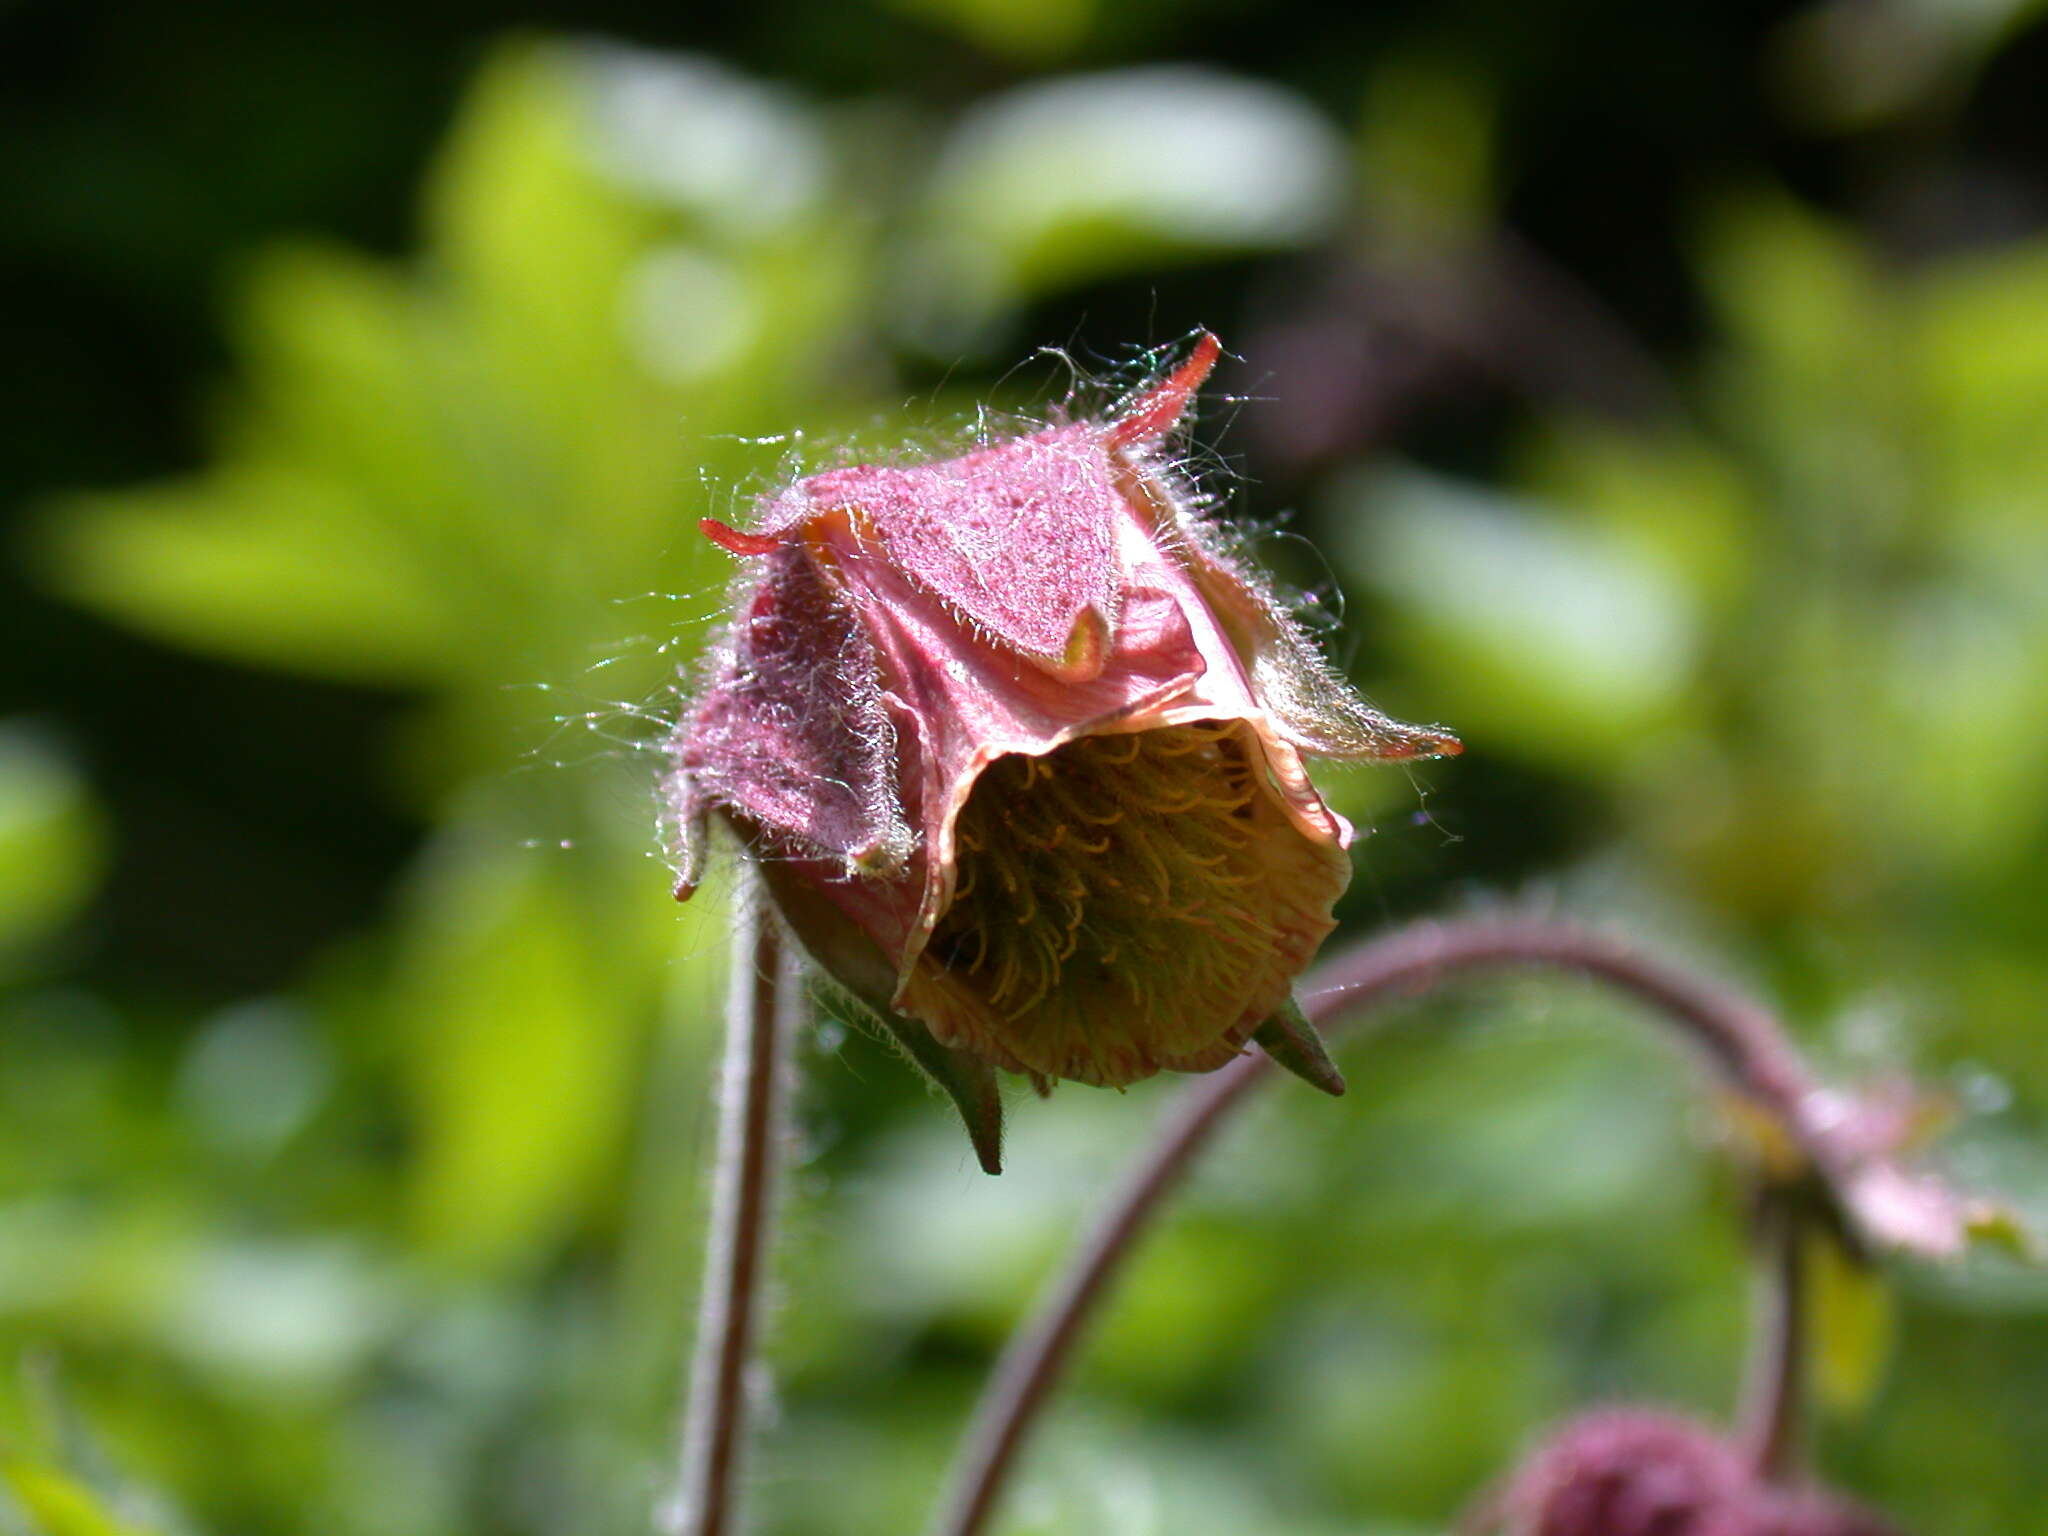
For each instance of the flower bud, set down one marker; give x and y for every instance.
(1626, 1473)
(1631, 1472)
(1019, 748)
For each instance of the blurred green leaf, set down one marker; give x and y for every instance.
(261, 561)
(1807, 377)
(59, 1504)
(1426, 151)
(2002, 1230)
(521, 1042)
(1025, 29)
(1065, 180)
(1852, 1322)
(1983, 330)
(1538, 632)
(447, 476)
(1790, 289)
(50, 841)
(534, 244)
(1677, 499)
(1845, 67)
(284, 1325)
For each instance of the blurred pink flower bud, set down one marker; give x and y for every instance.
(1632, 1472)
(1626, 1473)
(1018, 746)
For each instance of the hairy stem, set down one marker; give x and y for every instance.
(764, 995)
(1774, 1380)
(1743, 1043)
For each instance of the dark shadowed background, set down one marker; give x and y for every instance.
(1656, 394)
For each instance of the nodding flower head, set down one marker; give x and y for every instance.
(1632, 1472)
(1018, 747)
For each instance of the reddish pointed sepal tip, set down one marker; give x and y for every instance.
(1159, 410)
(732, 540)
(1415, 745)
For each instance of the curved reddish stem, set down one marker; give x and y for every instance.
(1742, 1042)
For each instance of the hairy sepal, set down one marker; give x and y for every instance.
(853, 972)
(1291, 1040)
(1308, 703)
(1018, 540)
(1317, 711)
(792, 735)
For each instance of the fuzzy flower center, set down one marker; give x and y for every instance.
(1123, 902)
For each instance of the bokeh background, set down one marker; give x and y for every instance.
(1656, 393)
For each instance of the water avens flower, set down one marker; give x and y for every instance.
(1018, 744)
(1636, 1472)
